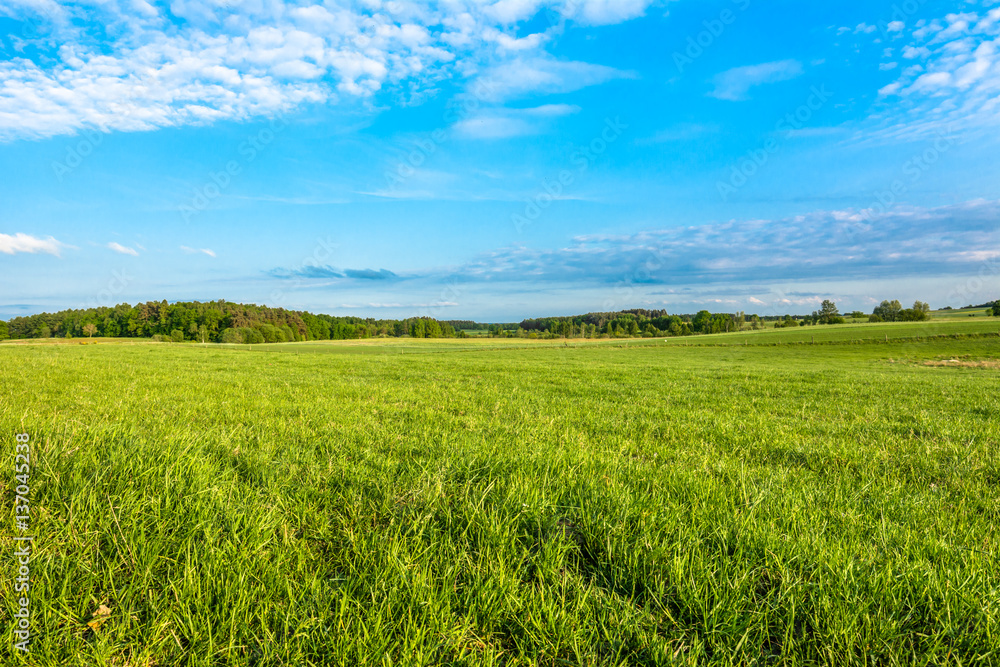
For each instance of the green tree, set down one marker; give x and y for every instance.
(828, 310)
(4, 330)
(702, 321)
(251, 336)
(270, 333)
(996, 309)
(888, 310)
(231, 336)
(111, 327)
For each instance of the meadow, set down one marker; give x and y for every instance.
(740, 499)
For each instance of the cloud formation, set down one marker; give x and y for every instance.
(10, 244)
(328, 272)
(735, 84)
(194, 62)
(124, 250)
(505, 123)
(826, 245)
(736, 257)
(953, 77)
(204, 251)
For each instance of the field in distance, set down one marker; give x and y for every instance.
(742, 498)
(838, 333)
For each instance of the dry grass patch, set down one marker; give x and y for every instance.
(965, 363)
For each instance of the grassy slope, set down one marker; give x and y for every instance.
(529, 504)
(963, 313)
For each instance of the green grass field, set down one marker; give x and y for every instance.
(963, 313)
(847, 333)
(722, 500)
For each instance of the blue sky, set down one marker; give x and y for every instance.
(499, 159)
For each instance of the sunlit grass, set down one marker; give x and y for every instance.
(496, 502)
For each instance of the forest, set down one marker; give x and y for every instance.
(226, 322)
(658, 323)
(216, 321)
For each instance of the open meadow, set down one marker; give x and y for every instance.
(737, 499)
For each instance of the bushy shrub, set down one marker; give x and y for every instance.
(271, 333)
(231, 336)
(251, 336)
(912, 315)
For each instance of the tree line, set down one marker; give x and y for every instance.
(227, 322)
(660, 324)
(215, 321)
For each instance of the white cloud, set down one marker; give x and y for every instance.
(505, 123)
(494, 127)
(735, 84)
(204, 251)
(912, 52)
(956, 84)
(931, 81)
(512, 11)
(124, 250)
(604, 12)
(508, 43)
(541, 74)
(552, 110)
(10, 244)
(859, 244)
(238, 60)
(890, 89)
